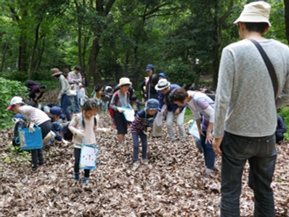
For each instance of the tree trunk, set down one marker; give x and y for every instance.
(40, 53)
(286, 2)
(92, 61)
(79, 34)
(22, 55)
(3, 57)
(219, 26)
(34, 49)
(86, 40)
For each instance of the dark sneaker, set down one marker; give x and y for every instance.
(84, 180)
(76, 177)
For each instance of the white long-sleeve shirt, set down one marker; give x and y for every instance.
(74, 78)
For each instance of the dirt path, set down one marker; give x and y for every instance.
(171, 185)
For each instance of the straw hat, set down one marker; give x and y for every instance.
(255, 12)
(55, 71)
(124, 81)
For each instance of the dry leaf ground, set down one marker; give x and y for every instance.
(171, 185)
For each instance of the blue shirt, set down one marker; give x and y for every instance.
(165, 99)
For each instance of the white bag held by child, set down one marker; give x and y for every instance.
(128, 114)
(88, 157)
(194, 131)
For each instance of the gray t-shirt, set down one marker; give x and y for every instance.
(245, 102)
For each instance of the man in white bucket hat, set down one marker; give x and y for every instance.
(165, 88)
(245, 111)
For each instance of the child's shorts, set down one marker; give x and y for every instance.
(120, 122)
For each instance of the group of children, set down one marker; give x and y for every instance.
(84, 125)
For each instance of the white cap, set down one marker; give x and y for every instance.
(15, 100)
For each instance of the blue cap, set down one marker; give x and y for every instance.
(162, 75)
(149, 67)
(19, 116)
(152, 104)
(55, 110)
(62, 116)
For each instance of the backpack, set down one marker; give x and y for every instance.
(18, 124)
(30, 83)
(111, 111)
(67, 134)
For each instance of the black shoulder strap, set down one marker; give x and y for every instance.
(269, 66)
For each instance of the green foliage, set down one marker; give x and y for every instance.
(16, 155)
(8, 89)
(284, 112)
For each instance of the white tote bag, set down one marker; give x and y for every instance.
(128, 114)
(159, 117)
(194, 131)
(72, 89)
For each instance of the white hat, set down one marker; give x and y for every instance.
(255, 12)
(124, 81)
(162, 84)
(15, 100)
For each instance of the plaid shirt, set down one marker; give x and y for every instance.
(141, 122)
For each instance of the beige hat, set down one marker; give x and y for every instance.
(255, 12)
(124, 81)
(55, 71)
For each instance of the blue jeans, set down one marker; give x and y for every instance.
(74, 102)
(64, 105)
(209, 154)
(144, 144)
(261, 154)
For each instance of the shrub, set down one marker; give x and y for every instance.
(8, 89)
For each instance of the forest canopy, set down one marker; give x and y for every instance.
(114, 38)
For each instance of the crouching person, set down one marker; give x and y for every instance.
(35, 116)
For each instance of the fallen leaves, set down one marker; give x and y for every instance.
(171, 185)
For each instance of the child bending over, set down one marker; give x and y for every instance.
(35, 116)
(144, 119)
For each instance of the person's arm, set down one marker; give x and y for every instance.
(283, 99)
(78, 79)
(69, 78)
(198, 121)
(40, 95)
(63, 86)
(161, 100)
(56, 128)
(223, 97)
(113, 104)
(142, 89)
(73, 127)
(32, 94)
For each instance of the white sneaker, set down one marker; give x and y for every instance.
(208, 172)
(135, 165)
(145, 162)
